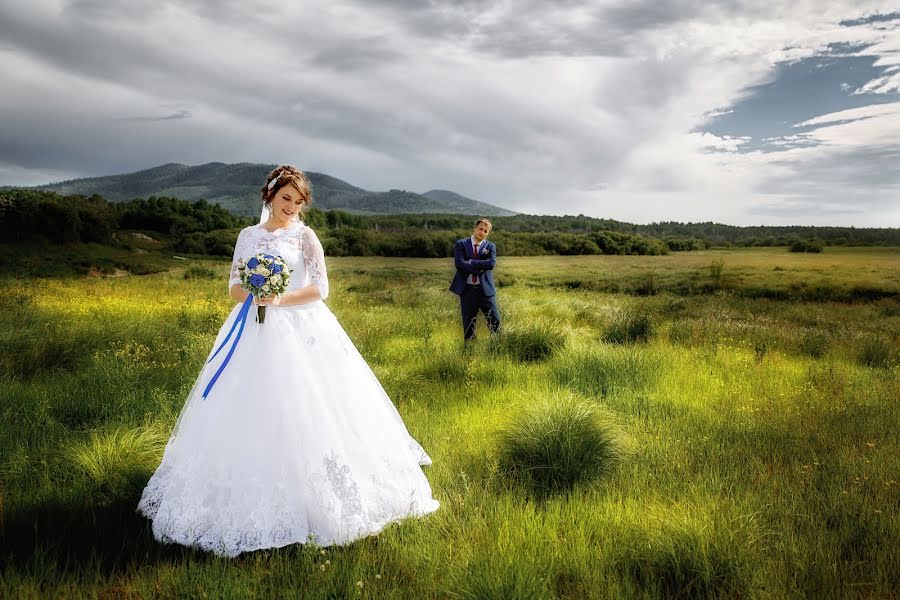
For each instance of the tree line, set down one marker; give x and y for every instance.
(201, 227)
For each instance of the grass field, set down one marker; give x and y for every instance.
(750, 399)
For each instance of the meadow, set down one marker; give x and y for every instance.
(743, 406)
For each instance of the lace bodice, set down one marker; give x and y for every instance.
(297, 244)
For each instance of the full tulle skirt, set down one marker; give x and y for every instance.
(297, 441)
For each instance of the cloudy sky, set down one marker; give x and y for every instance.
(741, 112)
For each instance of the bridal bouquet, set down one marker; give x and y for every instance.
(264, 275)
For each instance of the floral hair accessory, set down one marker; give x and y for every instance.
(274, 181)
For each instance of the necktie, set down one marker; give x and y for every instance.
(475, 256)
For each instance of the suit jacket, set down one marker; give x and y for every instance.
(481, 265)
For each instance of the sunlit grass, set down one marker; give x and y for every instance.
(119, 461)
(759, 442)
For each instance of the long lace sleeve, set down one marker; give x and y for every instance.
(314, 261)
(241, 253)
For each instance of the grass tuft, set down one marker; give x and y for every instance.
(628, 327)
(531, 343)
(553, 446)
(877, 353)
(120, 461)
(815, 343)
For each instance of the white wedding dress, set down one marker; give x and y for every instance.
(296, 440)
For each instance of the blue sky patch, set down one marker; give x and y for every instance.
(800, 91)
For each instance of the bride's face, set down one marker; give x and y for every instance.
(286, 203)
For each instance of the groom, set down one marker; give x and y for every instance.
(475, 258)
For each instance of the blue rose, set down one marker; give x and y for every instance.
(252, 263)
(269, 256)
(257, 280)
(276, 269)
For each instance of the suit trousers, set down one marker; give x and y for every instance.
(471, 301)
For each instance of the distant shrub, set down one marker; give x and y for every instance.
(877, 353)
(890, 311)
(554, 445)
(628, 327)
(200, 272)
(681, 244)
(119, 462)
(716, 269)
(530, 343)
(220, 242)
(815, 343)
(760, 349)
(872, 292)
(807, 246)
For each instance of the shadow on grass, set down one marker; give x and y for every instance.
(110, 538)
(56, 546)
(88, 541)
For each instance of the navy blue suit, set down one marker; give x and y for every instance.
(481, 296)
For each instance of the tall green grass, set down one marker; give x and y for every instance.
(741, 472)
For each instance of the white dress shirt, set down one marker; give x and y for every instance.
(471, 278)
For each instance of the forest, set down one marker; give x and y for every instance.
(203, 228)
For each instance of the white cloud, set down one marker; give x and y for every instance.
(527, 105)
(855, 114)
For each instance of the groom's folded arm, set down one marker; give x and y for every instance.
(462, 264)
(486, 264)
(483, 265)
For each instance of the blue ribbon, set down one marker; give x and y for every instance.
(241, 319)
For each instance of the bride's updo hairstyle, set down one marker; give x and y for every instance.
(286, 175)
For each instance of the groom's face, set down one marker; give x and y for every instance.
(481, 231)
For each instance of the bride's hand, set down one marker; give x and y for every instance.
(269, 301)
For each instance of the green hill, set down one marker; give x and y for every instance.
(236, 188)
(459, 204)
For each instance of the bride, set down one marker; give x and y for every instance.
(295, 440)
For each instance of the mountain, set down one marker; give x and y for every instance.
(236, 187)
(461, 205)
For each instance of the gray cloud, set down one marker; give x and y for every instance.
(356, 54)
(868, 174)
(506, 103)
(178, 114)
(792, 208)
